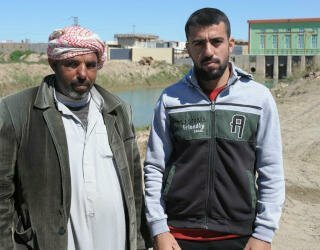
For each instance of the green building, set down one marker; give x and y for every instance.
(284, 36)
(279, 47)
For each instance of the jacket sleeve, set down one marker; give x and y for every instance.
(269, 165)
(144, 239)
(158, 152)
(8, 152)
(143, 236)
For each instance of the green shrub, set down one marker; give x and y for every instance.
(15, 55)
(18, 55)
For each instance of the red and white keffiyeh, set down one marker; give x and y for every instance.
(74, 41)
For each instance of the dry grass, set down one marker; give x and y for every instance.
(115, 75)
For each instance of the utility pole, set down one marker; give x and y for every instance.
(75, 21)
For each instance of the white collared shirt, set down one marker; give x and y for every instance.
(97, 218)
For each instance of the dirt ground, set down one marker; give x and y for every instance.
(299, 111)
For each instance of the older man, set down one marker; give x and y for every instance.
(70, 175)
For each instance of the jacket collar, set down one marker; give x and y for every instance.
(236, 73)
(110, 101)
(44, 98)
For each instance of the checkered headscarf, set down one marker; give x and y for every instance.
(74, 41)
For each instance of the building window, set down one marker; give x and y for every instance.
(287, 41)
(288, 30)
(262, 42)
(301, 30)
(274, 41)
(300, 42)
(314, 42)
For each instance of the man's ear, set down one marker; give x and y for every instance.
(53, 64)
(231, 44)
(188, 47)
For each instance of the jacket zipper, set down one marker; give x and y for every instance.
(211, 163)
(212, 148)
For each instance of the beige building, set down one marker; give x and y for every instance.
(136, 40)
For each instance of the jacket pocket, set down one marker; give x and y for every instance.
(168, 181)
(233, 197)
(252, 189)
(23, 237)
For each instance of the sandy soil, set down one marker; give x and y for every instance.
(299, 110)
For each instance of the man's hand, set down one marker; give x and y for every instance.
(256, 244)
(165, 241)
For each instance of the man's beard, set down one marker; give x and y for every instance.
(70, 92)
(76, 95)
(215, 74)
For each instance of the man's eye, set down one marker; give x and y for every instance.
(91, 65)
(215, 42)
(198, 43)
(71, 64)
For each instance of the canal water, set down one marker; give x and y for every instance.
(142, 102)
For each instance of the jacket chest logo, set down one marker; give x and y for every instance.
(237, 124)
(195, 126)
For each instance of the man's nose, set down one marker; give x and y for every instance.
(82, 71)
(209, 49)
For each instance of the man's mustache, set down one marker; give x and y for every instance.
(210, 59)
(80, 83)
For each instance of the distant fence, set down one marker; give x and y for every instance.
(36, 47)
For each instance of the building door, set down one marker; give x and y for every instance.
(309, 63)
(282, 67)
(269, 66)
(296, 61)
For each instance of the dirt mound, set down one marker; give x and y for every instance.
(299, 111)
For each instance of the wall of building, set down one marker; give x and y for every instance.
(127, 42)
(159, 54)
(241, 61)
(118, 54)
(240, 50)
(277, 67)
(273, 36)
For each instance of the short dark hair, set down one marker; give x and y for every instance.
(207, 17)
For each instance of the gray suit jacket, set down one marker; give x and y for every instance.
(34, 169)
